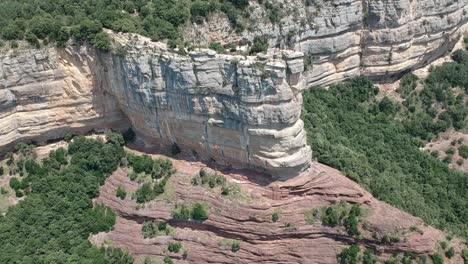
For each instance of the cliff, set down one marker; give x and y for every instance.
(233, 109)
(345, 38)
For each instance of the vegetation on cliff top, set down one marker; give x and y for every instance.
(376, 142)
(53, 222)
(57, 21)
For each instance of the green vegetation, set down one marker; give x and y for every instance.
(121, 193)
(153, 229)
(168, 260)
(196, 211)
(214, 180)
(450, 253)
(205, 178)
(376, 143)
(174, 247)
(339, 214)
(349, 255)
(437, 259)
(463, 151)
(44, 21)
(275, 217)
(232, 244)
(158, 171)
(259, 45)
(369, 257)
(52, 224)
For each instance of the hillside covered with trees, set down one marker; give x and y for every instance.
(53, 222)
(44, 21)
(377, 142)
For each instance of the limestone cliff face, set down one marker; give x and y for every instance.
(46, 93)
(234, 109)
(346, 38)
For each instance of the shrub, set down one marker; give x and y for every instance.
(216, 46)
(331, 217)
(443, 245)
(101, 41)
(101, 219)
(259, 45)
(19, 193)
(437, 259)
(196, 211)
(349, 255)
(168, 260)
(185, 254)
(2, 171)
(369, 257)
(450, 253)
(235, 246)
(275, 217)
(199, 212)
(3, 190)
(15, 184)
(121, 193)
(174, 247)
(463, 151)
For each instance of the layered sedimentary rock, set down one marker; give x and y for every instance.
(238, 110)
(346, 38)
(46, 93)
(235, 109)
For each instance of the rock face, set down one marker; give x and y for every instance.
(292, 239)
(47, 93)
(346, 38)
(227, 108)
(233, 109)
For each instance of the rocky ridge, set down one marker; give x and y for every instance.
(249, 219)
(239, 110)
(346, 38)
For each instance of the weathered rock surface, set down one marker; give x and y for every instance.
(233, 109)
(346, 38)
(47, 93)
(250, 220)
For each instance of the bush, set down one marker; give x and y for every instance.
(168, 260)
(15, 184)
(216, 46)
(331, 217)
(174, 247)
(196, 211)
(101, 41)
(259, 45)
(2, 170)
(443, 245)
(235, 246)
(369, 257)
(437, 259)
(121, 193)
(349, 255)
(275, 217)
(463, 151)
(199, 212)
(450, 253)
(101, 219)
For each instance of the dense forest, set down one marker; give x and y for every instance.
(43, 21)
(376, 142)
(53, 222)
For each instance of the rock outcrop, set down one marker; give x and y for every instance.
(346, 38)
(44, 94)
(242, 110)
(248, 218)
(233, 109)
